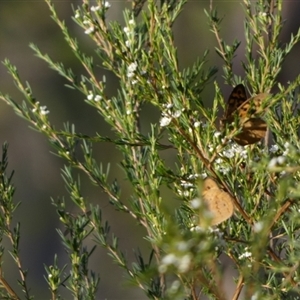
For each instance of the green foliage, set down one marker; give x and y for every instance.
(186, 261)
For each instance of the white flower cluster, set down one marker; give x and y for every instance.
(188, 186)
(131, 69)
(106, 5)
(130, 33)
(91, 97)
(181, 262)
(281, 159)
(232, 150)
(90, 27)
(42, 109)
(168, 115)
(246, 254)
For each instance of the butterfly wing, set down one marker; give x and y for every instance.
(219, 202)
(236, 99)
(221, 206)
(253, 128)
(252, 106)
(253, 131)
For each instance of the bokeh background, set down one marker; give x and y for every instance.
(37, 171)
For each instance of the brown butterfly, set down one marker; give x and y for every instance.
(219, 202)
(253, 128)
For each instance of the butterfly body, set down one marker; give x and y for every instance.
(219, 202)
(245, 111)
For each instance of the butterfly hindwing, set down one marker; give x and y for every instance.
(218, 202)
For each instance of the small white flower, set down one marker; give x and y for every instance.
(245, 255)
(127, 43)
(177, 114)
(95, 8)
(90, 30)
(128, 112)
(131, 22)
(244, 154)
(44, 110)
(281, 160)
(90, 96)
(184, 263)
(229, 153)
(107, 4)
(126, 30)
(193, 176)
(169, 259)
(218, 161)
(165, 121)
(186, 184)
(97, 98)
(272, 163)
(132, 67)
(196, 203)
(77, 15)
(224, 170)
(203, 175)
(130, 74)
(194, 228)
(217, 134)
(34, 110)
(162, 269)
(274, 148)
(287, 148)
(197, 124)
(258, 226)
(276, 161)
(186, 193)
(50, 276)
(86, 22)
(183, 246)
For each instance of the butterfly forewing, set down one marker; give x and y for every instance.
(236, 99)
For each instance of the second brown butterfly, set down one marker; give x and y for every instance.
(218, 202)
(253, 128)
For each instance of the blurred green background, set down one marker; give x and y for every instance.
(37, 171)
